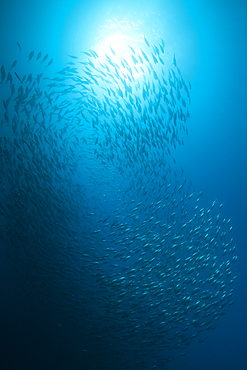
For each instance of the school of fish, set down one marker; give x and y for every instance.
(96, 215)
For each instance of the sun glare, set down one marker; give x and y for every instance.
(115, 44)
(119, 47)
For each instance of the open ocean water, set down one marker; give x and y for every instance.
(123, 178)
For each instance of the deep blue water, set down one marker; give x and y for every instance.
(209, 41)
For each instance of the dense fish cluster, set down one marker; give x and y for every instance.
(101, 224)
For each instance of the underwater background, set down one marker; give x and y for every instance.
(123, 177)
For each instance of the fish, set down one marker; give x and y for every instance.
(163, 43)
(162, 49)
(9, 78)
(72, 56)
(145, 56)
(93, 52)
(19, 46)
(50, 62)
(146, 41)
(13, 64)
(38, 56)
(30, 56)
(18, 77)
(113, 52)
(44, 59)
(94, 200)
(84, 52)
(3, 73)
(133, 51)
(174, 61)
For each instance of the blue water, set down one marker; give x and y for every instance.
(209, 40)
